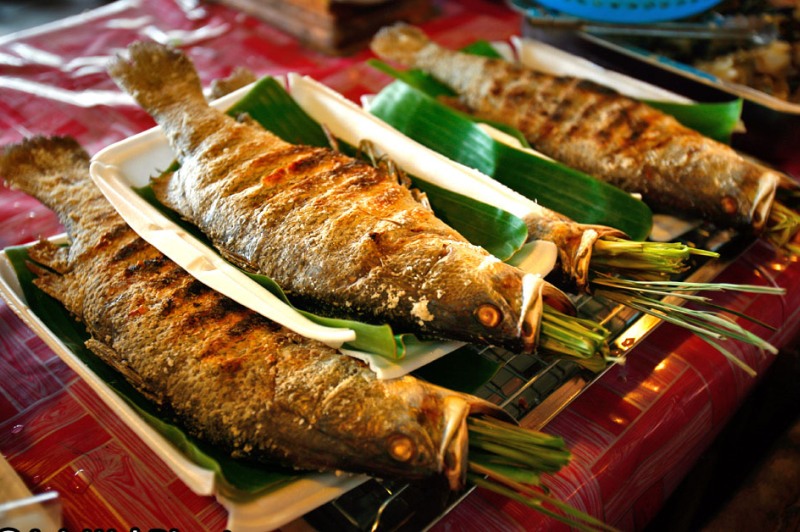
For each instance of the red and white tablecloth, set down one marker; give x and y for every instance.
(634, 434)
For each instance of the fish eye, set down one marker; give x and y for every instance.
(488, 315)
(401, 448)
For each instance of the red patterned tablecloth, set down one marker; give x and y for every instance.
(634, 434)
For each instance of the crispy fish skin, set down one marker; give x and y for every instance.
(340, 236)
(231, 376)
(595, 129)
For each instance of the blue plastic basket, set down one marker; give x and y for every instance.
(630, 11)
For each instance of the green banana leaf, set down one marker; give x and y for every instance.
(557, 187)
(714, 120)
(495, 230)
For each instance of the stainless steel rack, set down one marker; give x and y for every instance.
(530, 388)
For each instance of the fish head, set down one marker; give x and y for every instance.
(425, 434)
(497, 304)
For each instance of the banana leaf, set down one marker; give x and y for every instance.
(714, 120)
(495, 230)
(557, 187)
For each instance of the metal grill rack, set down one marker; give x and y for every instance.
(530, 388)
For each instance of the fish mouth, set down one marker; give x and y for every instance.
(455, 442)
(578, 269)
(536, 293)
(762, 202)
(455, 439)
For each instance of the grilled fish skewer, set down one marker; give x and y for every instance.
(593, 128)
(341, 237)
(232, 377)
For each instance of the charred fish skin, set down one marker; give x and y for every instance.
(595, 129)
(232, 377)
(340, 236)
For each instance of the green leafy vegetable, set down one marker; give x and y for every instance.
(554, 185)
(715, 120)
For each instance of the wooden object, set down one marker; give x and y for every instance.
(334, 27)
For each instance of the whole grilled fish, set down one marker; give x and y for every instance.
(595, 129)
(232, 377)
(341, 237)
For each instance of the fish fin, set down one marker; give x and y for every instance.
(51, 255)
(157, 76)
(112, 358)
(159, 184)
(40, 166)
(238, 260)
(58, 287)
(455, 102)
(238, 78)
(246, 119)
(46, 280)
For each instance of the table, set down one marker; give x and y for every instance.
(634, 434)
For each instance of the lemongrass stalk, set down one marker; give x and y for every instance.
(730, 356)
(502, 453)
(782, 226)
(579, 339)
(648, 260)
(711, 323)
(569, 516)
(708, 326)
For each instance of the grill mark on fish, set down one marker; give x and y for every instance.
(232, 378)
(128, 250)
(303, 216)
(689, 174)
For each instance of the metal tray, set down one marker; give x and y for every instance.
(529, 388)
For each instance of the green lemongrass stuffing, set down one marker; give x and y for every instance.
(710, 325)
(581, 340)
(782, 226)
(643, 260)
(510, 460)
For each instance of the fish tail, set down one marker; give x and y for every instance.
(157, 76)
(400, 43)
(410, 47)
(49, 169)
(55, 170)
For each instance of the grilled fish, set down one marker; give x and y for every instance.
(598, 131)
(342, 237)
(574, 241)
(231, 376)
